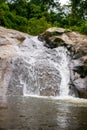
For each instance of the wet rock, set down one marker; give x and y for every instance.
(69, 38)
(73, 91)
(76, 44)
(81, 86)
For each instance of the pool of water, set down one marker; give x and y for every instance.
(36, 113)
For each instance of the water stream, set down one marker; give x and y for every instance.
(48, 71)
(36, 113)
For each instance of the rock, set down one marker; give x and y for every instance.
(10, 37)
(9, 42)
(5, 74)
(56, 30)
(73, 91)
(70, 38)
(81, 86)
(76, 44)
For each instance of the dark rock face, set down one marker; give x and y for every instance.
(77, 46)
(79, 77)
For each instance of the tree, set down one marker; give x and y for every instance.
(83, 9)
(37, 26)
(45, 4)
(2, 1)
(78, 8)
(19, 7)
(33, 11)
(57, 14)
(3, 9)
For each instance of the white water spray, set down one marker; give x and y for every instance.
(40, 70)
(63, 66)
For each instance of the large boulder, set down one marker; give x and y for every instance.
(62, 37)
(76, 43)
(9, 41)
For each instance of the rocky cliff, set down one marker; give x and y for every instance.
(23, 63)
(76, 44)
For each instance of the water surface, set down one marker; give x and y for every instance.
(31, 113)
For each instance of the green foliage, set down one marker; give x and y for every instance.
(37, 26)
(4, 7)
(35, 11)
(19, 7)
(83, 28)
(10, 20)
(78, 8)
(74, 28)
(35, 16)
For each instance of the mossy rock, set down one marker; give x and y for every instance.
(57, 31)
(54, 42)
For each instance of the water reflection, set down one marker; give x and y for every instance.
(66, 117)
(27, 113)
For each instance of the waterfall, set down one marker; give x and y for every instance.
(64, 71)
(39, 70)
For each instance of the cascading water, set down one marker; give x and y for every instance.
(64, 70)
(39, 70)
